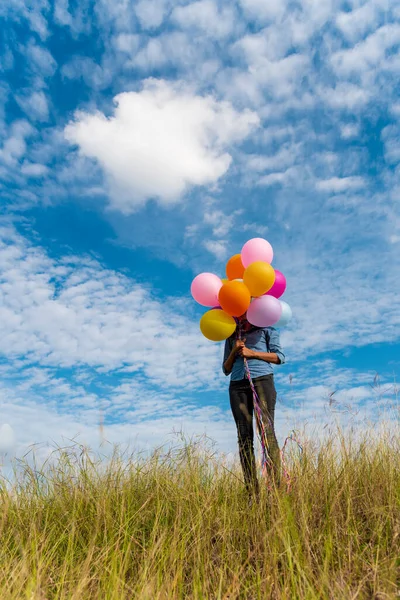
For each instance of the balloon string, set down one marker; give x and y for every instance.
(266, 462)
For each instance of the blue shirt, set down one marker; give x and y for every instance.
(264, 339)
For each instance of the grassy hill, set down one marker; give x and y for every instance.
(178, 525)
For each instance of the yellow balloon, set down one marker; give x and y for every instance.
(259, 278)
(216, 325)
(224, 280)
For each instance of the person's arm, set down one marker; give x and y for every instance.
(270, 357)
(275, 356)
(275, 345)
(230, 354)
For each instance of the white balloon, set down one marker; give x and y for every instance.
(286, 315)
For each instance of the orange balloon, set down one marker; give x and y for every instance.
(234, 298)
(234, 267)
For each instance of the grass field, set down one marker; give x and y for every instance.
(177, 525)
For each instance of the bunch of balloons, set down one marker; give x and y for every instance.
(252, 286)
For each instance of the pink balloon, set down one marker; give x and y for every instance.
(264, 311)
(279, 286)
(256, 249)
(205, 289)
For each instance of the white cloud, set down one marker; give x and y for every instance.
(6, 59)
(345, 96)
(94, 75)
(284, 158)
(72, 312)
(256, 229)
(205, 16)
(265, 11)
(33, 12)
(161, 141)
(114, 15)
(358, 22)
(154, 53)
(220, 222)
(34, 169)
(341, 184)
(395, 109)
(217, 248)
(170, 48)
(268, 43)
(349, 131)
(285, 177)
(7, 438)
(367, 54)
(278, 78)
(14, 146)
(62, 16)
(35, 105)
(390, 138)
(41, 60)
(127, 42)
(76, 16)
(150, 13)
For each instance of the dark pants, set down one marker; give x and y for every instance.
(241, 398)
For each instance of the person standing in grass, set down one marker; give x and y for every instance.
(262, 349)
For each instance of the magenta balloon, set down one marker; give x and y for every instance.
(255, 250)
(279, 286)
(205, 289)
(264, 311)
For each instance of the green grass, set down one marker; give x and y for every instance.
(176, 525)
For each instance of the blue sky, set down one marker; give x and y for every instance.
(145, 142)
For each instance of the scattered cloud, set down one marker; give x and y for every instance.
(151, 13)
(317, 173)
(266, 11)
(349, 131)
(160, 52)
(285, 157)
(14, 146)
(84, 68)
(35, 106)
(206, 17)
(340, 184)
(345, 96)
(72, 312)
(217, 248)
(220, 222)
(283, 177)
(367, 54)
(357, 23)
(34, 14)
(7, 439)
(40, 59)
(127, 42)
(34, 170)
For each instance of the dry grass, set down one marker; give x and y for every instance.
(178, 526)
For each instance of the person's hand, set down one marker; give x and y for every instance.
(246, 352)
(239, 344)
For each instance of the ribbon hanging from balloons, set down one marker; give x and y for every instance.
(266, 462)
